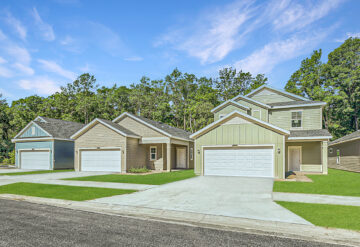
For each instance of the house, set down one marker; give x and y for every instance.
(263, 134)
(45, 144)
(131, 141)
(344, 153)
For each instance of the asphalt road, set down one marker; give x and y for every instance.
(27, 224)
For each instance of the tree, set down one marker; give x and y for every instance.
(5, 143)
(232, 83)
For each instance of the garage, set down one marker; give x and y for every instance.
(246, 162)
(35, 160)
(101, 160)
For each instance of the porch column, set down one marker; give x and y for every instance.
(168, 156)
(324, 156)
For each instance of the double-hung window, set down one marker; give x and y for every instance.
(296, 119)
(153, 153)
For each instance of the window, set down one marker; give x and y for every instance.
(33, 130)
(296, 119)
(221, 115)
(191, 153)
(153, 153)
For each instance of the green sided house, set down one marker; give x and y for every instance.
(263, 134)
(45, 144)
(344, 153)
(131, 141)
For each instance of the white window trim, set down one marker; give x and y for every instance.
(191, 153)
(155, 152)
(302, 118)
(33, 130)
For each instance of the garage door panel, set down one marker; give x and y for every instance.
(253, 162)
(101, 160)
(35, 160)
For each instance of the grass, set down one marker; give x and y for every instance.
(153, 179)
(73, 193)
(336, 216)
(33, 172)
(139, 170)
(337, 182)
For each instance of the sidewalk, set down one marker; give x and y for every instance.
(286, 230)
(316, 198)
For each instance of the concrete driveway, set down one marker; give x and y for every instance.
(227, 196)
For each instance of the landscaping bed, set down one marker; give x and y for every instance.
(151, 179)
(73, 193)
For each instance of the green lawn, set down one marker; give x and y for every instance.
(74, 193)
(33, 172)
(336, 216)
(154, 179)
(337, 182)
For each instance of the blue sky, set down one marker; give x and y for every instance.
(46, 44)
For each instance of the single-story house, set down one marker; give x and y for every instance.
(131, 141)
(263, 134)
(344, 153)
(45, 144)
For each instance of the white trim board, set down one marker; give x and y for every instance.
(227, 103)
(40, 139)
(276, 90)
(28, 126)
(255, 102)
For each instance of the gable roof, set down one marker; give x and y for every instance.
(276, 90)
(116, 127)
(244, 116)
(255, 102)
(158, 126)
(296, 103)
(228, 102)
(55, 128)
(309, 134)
(350, 137)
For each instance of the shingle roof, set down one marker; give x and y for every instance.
(309, 133)
(59, 128)
(348, 137)
(296, 102)
(118, 127)
(173, 131)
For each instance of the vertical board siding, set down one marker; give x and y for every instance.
(38, 132)
(64, 154)
(269, 96)
(311, 118)
(32, 145)
(244, 134)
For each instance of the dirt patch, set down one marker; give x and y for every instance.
(295, 177)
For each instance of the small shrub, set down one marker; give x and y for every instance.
(139, 170)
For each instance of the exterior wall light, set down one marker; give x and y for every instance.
(198, 151)
(278, 150)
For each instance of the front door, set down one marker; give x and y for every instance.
(294, 158)
(181, 158)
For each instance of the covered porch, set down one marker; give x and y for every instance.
(308, 156)
(166, 154)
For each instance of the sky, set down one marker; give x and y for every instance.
(46, 44)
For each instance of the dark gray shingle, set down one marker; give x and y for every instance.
(59, 128)
(297, 102)
(118, 127)
(348, 137)
(309, 133)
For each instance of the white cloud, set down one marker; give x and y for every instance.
(41, 85)
(68, 40)
(24, 69)
(2, 35)
(52, 66)
(296, 16)
(19, 54)
(46, 30)
(274, 53)
(5, 72)
(2, 60)
(134, 59)
(16, 25)
(348, 35)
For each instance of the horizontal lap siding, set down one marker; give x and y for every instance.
(347, 163)
(240, 134)
(100, 136)
(267, 96)
(310, 156)
(136, 154)
(139, 128)
(264, 112)
(350, 148)
(228, 109)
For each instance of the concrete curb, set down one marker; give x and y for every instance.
(280, 229)
(316, 198)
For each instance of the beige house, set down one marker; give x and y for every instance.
(263, 134)
(131, 141)
(344, 153)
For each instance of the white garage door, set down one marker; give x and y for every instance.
(248, 162)
(35, 160)
(104, 160)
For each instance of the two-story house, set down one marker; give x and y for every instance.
(263, 134)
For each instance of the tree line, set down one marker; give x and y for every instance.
(184, 100)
